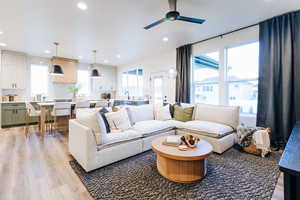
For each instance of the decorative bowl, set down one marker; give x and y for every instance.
(190, 140)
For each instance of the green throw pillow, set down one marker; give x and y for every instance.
(183, 114)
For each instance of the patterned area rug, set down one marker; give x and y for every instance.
(232, 175)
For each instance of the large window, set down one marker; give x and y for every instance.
(206, 78)
(242, 76)
(83, 82)
(230, 81)
(132, 82)
(39, 80)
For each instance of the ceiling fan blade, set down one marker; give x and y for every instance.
(173, 5)
(192, 20)
(155, 24)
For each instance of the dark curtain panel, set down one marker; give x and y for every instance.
(279, 76)
(183, 80)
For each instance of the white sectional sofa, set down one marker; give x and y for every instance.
(93, 148)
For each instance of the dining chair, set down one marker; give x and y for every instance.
(31, 112)
(60, 110)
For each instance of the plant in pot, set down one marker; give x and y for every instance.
(74, 89)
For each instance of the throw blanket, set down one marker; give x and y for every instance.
(258, 135)
(245, 134)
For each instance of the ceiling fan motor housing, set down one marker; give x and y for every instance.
(173, 15)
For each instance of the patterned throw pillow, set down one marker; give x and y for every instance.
(118, 121)
(183, 114)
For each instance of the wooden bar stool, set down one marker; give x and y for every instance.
(61, 109)
(31, 112)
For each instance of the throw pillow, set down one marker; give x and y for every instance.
(162, 113)
(102, 114)
(118, 121)
(183, 114)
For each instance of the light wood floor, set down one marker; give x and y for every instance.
(36, 168)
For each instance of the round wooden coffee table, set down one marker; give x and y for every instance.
(182, 166)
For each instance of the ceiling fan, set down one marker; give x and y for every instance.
(174, 15)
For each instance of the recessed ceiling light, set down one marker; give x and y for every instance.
(1, 32)
(41, 62)
(3, 44)
(105, 61)
(80, 57)
(165, 39)
(47, 51)
(81, 5)
(118, 56)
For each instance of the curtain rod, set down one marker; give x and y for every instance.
(221, 35)
(227, 33)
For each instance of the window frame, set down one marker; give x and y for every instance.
(194, 83)
(227, 81)
(139, 88)
(223, 81)
(46, 66)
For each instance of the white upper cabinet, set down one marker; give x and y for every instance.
(13, 70)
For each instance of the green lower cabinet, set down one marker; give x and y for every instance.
(14, 114)
(7, 117)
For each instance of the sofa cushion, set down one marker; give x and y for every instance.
(140, 113)
(119, 137)
(162, 113)
(183, 114)
(211, 129)
(175, 124)
(118, 121)
(152, 127)
(89, 118)
(228, 115)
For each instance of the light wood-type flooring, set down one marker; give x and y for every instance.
(37, 168)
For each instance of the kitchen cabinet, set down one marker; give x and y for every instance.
(69, 67)
(13, 70)
(14, 114)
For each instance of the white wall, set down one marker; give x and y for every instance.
(153, 65)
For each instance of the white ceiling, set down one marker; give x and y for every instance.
(116, 26)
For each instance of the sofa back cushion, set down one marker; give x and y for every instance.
(140, 113)
(89, 118)
(228, 115)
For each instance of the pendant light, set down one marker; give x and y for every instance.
(57, 69)
(95, 73)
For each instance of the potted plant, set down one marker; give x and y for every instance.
(74, 89)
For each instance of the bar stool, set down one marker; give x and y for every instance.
(30, 113)
(60, 109)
